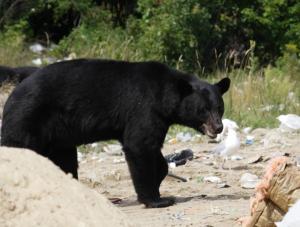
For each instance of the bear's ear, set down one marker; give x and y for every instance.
(184, 87)
(223, 85)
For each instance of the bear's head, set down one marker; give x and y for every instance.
(202, 105)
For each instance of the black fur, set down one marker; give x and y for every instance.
(82, 101)
(15, 75)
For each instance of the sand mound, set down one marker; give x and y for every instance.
(35, 192)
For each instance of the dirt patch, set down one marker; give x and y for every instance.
(199, 203)
(34, 192)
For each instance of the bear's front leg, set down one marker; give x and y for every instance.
(147, 172)
(147, 166)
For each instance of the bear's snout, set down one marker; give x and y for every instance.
(218, 128)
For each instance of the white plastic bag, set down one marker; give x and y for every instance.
(289, 122)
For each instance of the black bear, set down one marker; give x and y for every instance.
(81, 101)
(15, 75)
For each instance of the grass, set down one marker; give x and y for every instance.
(255, 99)
(13, 51)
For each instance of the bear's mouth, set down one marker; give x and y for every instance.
(208, 130)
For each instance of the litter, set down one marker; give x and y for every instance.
(183, 137)
(172, 165)
(172, 141)
(289, 122)
(118, 160)
(179, 215)
(212, 179)
(249, 140)
(180, 158)
(249, 181)
(113, 149)
(292, 218)
(177, 177)
(49, 60)
(94, 145)
(37, 61)
(236, 157)
(115, 200)
(79, 156)
(70, 56)
(247, 130)
(37, 48)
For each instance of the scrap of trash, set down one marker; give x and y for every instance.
(277, 197)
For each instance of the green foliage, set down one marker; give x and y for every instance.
(12, 46)
(96, 37)
(274, 24)
(170, 32)
(255, 43)
(193, 35)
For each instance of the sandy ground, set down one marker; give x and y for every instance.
(35, 192)
(199, 203)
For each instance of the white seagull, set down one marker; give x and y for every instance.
(227, 124)
(230, 145)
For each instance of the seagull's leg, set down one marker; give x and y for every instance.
(229, 167)
(223, 163)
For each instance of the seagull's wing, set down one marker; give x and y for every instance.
(217, 150)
